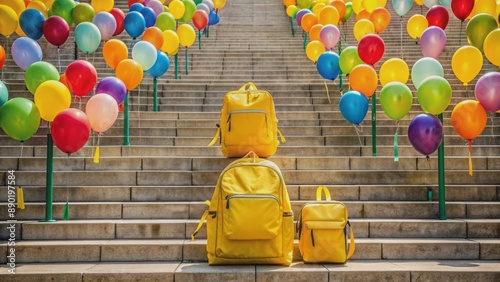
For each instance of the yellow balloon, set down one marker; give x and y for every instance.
(491, 47)
(314, 49)
(369, 5)
(419, 2)
(186, 35)
(20, 32)
(381, 3)
(484, 6)
(40, 6)
(170, 42)
(357, 6)
(130, 72)
(219, 4)
(315, 31)
(394, 70)
(16, 5)
(317, 8)
(416, 26)
(291, 11)
(102, 5)
(48, 3)
(8, 20)
(177, 9)
(466, 63)
(51, 97)
(329, 15)
(362, 28)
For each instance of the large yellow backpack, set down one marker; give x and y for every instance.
(249, 220)
(322, 228)
(248, 123)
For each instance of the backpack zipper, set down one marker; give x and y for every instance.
(242, 112)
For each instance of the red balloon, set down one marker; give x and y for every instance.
(438, 16)
(70, 130)
(82, 77)
(200, 19)
(56, 30)
(371, 48)
(462, 8)
(119, 16)
(131, 2)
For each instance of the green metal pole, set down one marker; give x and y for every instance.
(126, 127)
(199, 39)
(176, 65)
(305, 40)
(374, 125)
(442, 189)
(291, 25)
(341, 87)
(187, 61)
(49, 181)
(155, 94)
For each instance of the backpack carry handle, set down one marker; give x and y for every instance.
(251, 154)
(248, 86)
(327, 193)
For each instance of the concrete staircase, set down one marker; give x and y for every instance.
(132, 214)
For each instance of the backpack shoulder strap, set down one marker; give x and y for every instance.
(217, 134)
(202, 220)
(352, 244)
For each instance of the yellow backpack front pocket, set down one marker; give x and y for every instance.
(324, 241)
(252, 217)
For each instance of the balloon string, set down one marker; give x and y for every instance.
(401, 21)
(139, 104)
(96, 154)
(460, 35)
(59, 58)
(396, 150)
(359, 129)
(469, 142)
(327, 93)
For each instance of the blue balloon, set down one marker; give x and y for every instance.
(134, 24)
(401, 7)
(136, 7)
(4, 94)
(26, 51)
(328, 65)
(353, 106)
(213, 18)
(31, 22)
(160, 66)
(149, 16)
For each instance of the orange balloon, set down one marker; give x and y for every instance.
(154, 36)
(340, 6)
(289, 2)
(308, 20)
(469, 118)
(2, 56)
(314, 32)
(114, 51)
(363, 78)
(329, 15)
(64, 80)
(380, 18)
(363, 14)
(130, 72)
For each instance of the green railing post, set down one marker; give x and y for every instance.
(176, 65)
(126, 129)
(187, 64)
(374, 124)
(442, 189)
(49, 180)
(155, 94)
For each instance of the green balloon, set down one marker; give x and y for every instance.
(478, 28)
(396, 100)
(165, 21)
(38, 73)
(82, 12)
(348, 59)
(434, 95)
(190, 9)
(63, 9)
(348, 11)
(19, 118)
(198, 1)
(424, 68)
(304, 4)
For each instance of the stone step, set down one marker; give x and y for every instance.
(182, 229)
(356, 270)
(44, 251)
(194, 210)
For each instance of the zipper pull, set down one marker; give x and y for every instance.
(312, 237)
(229, 121)
(227, 204)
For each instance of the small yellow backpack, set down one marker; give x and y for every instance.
(249, 219)
(248, 123)
(322, 228)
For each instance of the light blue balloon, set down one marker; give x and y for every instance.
(353, 106)
(161, 65)
(145, 54)
(136, 7)
(328, 65)
(31, 22)
(26, 51)
(106, 23)
(88, 37)
(401, 7)
(446, 3)
(4, 94)
(430, 3)
(423, 68)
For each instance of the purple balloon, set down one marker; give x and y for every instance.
(329, 35)
(114, 87)
(157, 6)
(487, 91)
(106, 23)
(425, 133)
(300, 14)
(432, 41)
(26, 51)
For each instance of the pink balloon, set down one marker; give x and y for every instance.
(432, 42)
(156, 5)
(329, 36)
(487, 91)
(102, 111)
